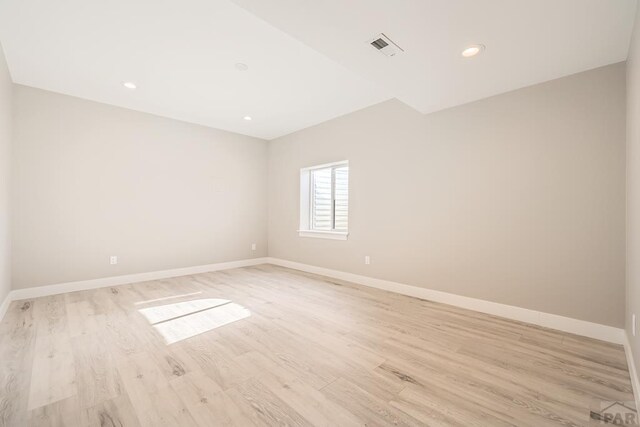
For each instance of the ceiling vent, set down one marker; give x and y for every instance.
(383, 44)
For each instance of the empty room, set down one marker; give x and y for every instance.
(319, 213)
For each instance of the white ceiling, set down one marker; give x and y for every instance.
(527, 41)
(182, 56)
(309, 60)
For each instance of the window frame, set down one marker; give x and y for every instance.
(307, 207)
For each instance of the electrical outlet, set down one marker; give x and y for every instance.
(253, 246)
(367, 260)
(633, 324)
(113, 260)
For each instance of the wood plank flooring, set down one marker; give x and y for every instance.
(267, 345)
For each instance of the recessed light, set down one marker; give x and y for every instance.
(248, 118)
(241, 67)
(129, 85)
(472, 50)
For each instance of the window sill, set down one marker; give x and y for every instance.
(335, 235)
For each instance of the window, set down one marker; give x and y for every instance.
(324, 201)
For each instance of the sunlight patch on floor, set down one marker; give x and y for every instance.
(182, 320)
(149, 301)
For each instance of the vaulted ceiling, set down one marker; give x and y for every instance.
(308, 60)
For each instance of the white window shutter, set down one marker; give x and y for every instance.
(321, 199)
(330, 198)
(341, 198)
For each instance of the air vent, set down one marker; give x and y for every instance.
(384, 45)
(379, 44)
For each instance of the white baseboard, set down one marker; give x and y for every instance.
(633, 371)
(553, 321)
(60, 288)
(566, 324)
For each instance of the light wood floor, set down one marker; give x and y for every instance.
(271, 346)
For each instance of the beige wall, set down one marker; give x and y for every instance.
(633, 189)
(517, 199)
(6, 89)
(91, 181)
